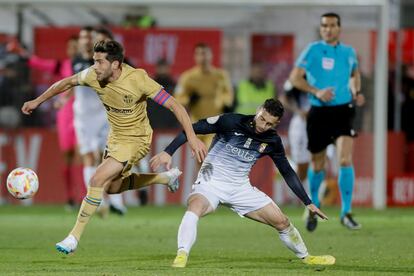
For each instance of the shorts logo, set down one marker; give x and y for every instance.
(128, 99)
(262, 147)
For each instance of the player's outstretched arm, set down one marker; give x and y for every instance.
(292, 180)
(55, 89)
(198, 148)
(205, 126)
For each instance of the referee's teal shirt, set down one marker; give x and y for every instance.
(329, 66)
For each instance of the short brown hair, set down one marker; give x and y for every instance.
(113, 49)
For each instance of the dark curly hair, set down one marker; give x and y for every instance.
(113, 49)
(274, 107)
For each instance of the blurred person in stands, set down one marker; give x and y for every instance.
(204, 89)
(91, 123)
(251, 93)
(333, 83)
(14, 84)
(408, 102)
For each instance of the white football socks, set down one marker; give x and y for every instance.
(187, 232)
(292, 239)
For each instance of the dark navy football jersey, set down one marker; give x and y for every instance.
(236, 148)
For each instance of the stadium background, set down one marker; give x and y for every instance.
(238, 35)
(240, 32)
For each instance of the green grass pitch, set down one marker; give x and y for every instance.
(144, 243)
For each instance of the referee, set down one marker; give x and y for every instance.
(328, 71)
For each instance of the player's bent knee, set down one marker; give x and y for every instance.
(199, 205)
(281, 223)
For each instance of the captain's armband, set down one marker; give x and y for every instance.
(161, 97)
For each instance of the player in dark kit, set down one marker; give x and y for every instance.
(224, 177)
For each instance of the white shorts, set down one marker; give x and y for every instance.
(91, 131)
(242, 199)
(298, 140)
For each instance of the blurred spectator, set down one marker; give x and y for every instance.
(204, 89)
(407, 114)
(253, 92)
(142, 19)
(102, 33)
(159, 116)
(407, 108)
(14, 85)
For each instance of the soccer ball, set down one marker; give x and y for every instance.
(22, 183)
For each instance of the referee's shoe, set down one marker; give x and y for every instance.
(349, 222)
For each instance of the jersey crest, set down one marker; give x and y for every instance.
(128, 99)
(262, 147)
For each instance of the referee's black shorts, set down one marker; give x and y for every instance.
(326, 123)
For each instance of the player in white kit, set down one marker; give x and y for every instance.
(90, 121)
(224, 178)
(297, 101)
